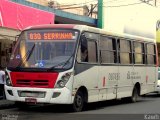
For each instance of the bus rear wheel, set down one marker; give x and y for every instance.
(78, 104)
(135, 95)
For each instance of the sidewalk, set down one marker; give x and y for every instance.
(5, 104)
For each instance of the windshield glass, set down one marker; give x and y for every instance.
(44, 49)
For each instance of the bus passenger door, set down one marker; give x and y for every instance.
(86, 67)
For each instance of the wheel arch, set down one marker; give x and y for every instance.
(84, 90)
(138, 87)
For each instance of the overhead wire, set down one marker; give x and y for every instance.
(122, 5)
(79, 5)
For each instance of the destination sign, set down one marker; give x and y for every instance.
(51, 35)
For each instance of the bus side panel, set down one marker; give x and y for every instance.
(139, 75)
(87, 75)
(108, 76)
(125, 84)
(151, 79)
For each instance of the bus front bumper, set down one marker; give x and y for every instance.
(40, 95)
(158, 89)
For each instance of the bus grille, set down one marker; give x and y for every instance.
(33, 83)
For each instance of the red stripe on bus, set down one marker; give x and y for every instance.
(146, 78)
(35, 80)
(104, 81)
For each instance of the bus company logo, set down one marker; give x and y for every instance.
(128, 75)
(133, 75)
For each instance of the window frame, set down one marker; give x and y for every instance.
(78, 58)
(114, 49)
(129, 52)
(154, 54)
(142, 53)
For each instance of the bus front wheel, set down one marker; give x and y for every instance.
(78, 103)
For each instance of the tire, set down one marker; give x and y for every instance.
(78, 104)
(135, 95)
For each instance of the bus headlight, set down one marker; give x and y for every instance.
(64, 79)
(8, 81)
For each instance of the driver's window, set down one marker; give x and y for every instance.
(87, 50)
(83, 50)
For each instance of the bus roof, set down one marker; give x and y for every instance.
(91, 29)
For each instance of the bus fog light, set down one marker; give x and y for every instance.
(55, 94)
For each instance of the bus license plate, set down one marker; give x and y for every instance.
(31, 100)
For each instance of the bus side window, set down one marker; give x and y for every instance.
(87, 50)
(125, 51)
(92, 51)
(151, 54)
(108, 50)
(138, 53)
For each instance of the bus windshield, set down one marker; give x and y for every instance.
(49, 49)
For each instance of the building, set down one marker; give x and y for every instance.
(13, 18)
(7, 38)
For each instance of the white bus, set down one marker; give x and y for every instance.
(78, 64)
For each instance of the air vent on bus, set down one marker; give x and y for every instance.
(32, 83)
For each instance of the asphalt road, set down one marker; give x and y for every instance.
(148, 108)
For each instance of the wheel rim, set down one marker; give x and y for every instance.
(78, 101)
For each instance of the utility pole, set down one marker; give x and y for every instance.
(155, 3)
(92, 9)
(100, 14)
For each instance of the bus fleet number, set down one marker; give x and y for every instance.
(114, 76)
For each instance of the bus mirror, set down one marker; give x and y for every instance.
(16, 38)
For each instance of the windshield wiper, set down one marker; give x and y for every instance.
(26, 57)
(62, 63)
